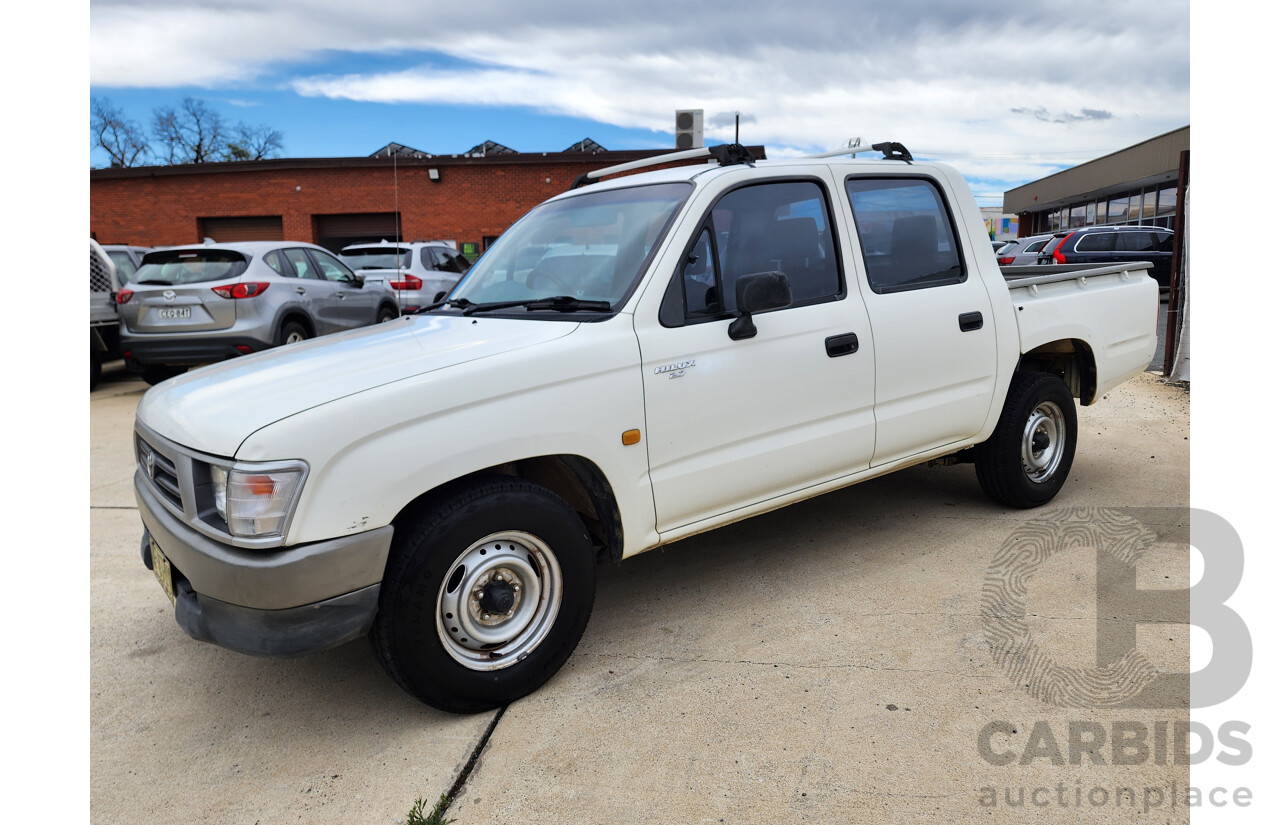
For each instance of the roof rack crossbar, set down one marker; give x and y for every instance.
(670, 157)
(891, 151)
(848, 150)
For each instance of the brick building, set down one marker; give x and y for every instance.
(397, 193)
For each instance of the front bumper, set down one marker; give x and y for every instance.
(278, 633)
(283, 602)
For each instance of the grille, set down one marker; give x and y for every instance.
(162, 472)
(99, 273)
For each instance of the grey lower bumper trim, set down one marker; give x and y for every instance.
(291, 632)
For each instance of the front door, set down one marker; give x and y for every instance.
(736, 422)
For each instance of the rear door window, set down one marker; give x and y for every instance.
(1097, 242)
(302, 264)
(908, 238)
(1136, 242)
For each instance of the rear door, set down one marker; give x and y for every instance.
(935, 353)
(1144, 245)
(173, 291)
(357, 305)
(317, 294)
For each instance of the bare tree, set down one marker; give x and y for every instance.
(192, 133)
(254, 143)
(121, 138)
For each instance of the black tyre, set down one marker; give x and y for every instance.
(387, 314)
(155, 373)
(1026, 460)
(487, 592)
(292, 332)
(95, 369)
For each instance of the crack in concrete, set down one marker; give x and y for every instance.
(787, 665)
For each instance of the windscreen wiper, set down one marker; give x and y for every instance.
(559, 303)
(456, 303)
(157, 283)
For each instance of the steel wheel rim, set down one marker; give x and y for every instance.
(1043, 441)
(472, 632)
(295, 338)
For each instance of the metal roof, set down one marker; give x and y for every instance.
(1145, 163)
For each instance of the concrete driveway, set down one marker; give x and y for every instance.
(830, 662)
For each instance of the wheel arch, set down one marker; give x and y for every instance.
(293, 313)
(577, 480)
(1072, 360)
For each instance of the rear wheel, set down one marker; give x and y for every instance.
(387, 314)
(292, 332)
(487, 592)
(95, 368)
(1026, 460)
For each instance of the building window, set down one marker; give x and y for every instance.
(1117, 208)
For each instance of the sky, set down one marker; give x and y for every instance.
(1006, 97)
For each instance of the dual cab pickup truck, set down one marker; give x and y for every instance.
(635, 361)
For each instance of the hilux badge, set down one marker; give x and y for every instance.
(674, 370)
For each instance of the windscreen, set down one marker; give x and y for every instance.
(190, 266)
(383, 257)
(591, 247)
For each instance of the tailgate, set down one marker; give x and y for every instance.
(174, 291)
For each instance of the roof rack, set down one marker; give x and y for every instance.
(728, 154)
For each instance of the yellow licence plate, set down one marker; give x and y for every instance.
(164, 573)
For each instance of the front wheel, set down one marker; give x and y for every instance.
(1026, 460)
(486, 594)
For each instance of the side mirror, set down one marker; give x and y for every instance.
(358, 281)
(759, 292)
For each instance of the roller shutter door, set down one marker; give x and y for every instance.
(336, 231)
(254, 228)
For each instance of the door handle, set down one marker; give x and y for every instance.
(300, 291)
(969, 321)
(845, 344)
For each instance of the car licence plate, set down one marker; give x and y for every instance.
(164, 572)
(173, 312)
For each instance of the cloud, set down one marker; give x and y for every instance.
(1043, 114)
(965, 79)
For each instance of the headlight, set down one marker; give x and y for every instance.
(255, 503)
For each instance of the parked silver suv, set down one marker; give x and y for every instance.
(418, 271)
(198, 304)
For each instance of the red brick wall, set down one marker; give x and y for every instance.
(474, 198)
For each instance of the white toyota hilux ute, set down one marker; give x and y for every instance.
(635, 361)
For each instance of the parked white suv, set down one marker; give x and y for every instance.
(418, 271)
